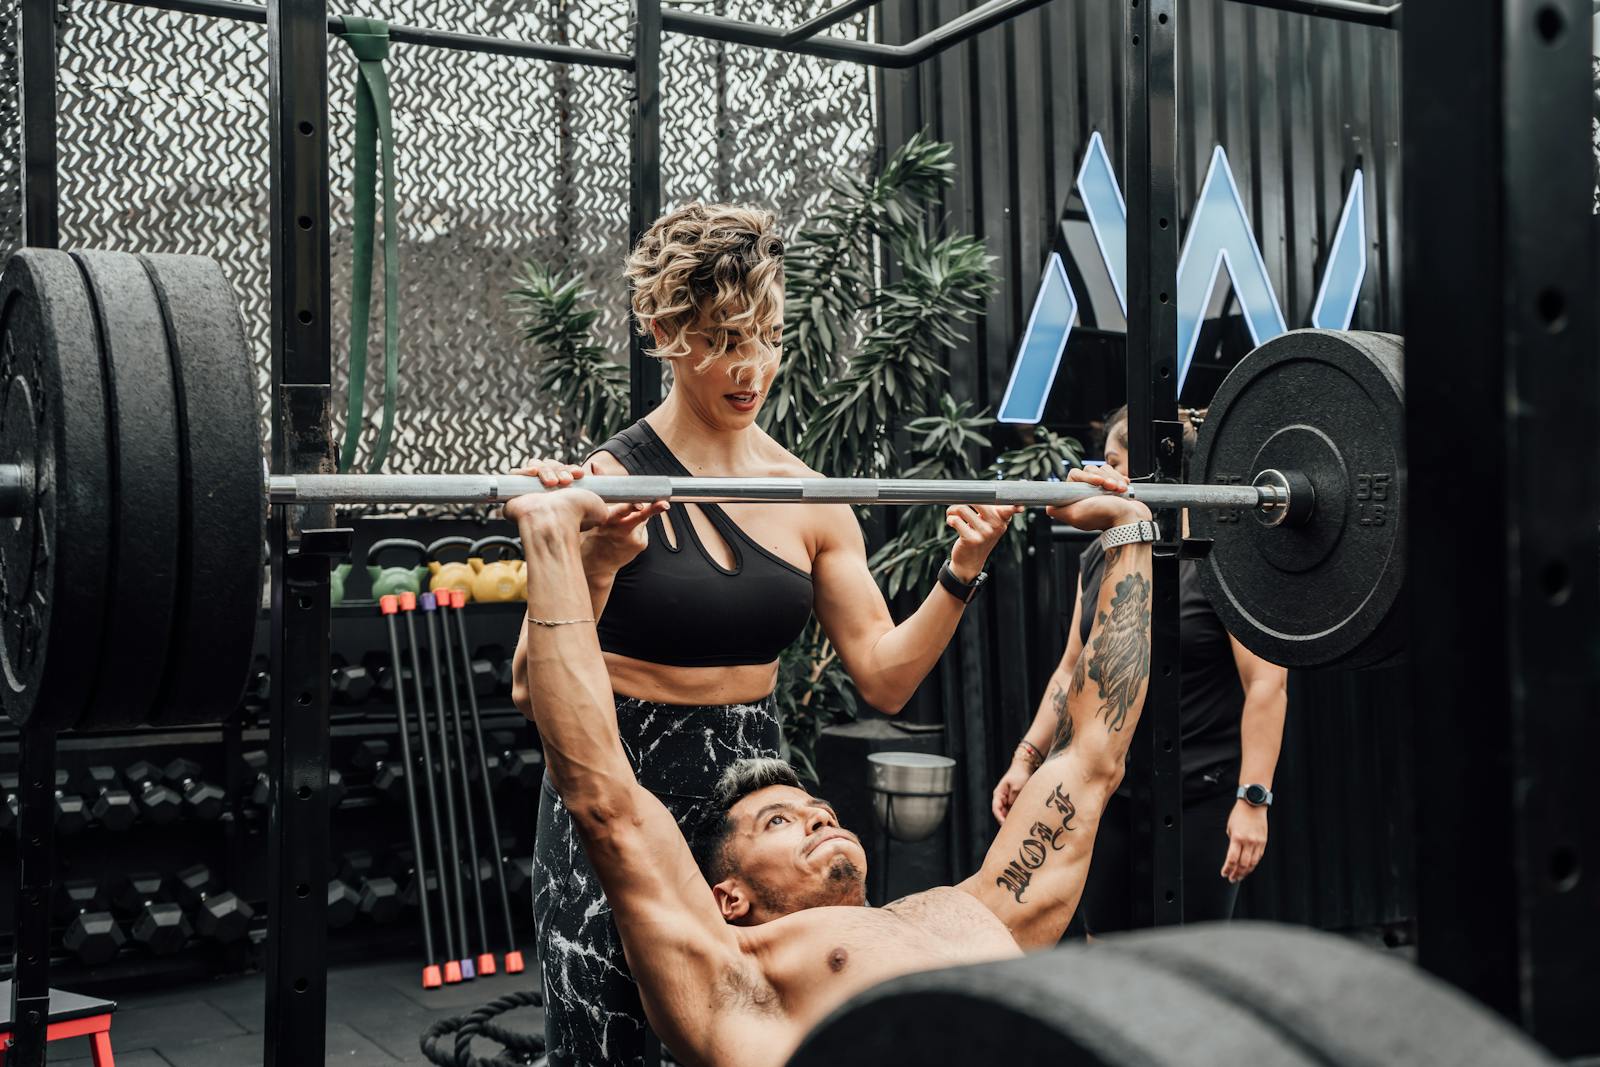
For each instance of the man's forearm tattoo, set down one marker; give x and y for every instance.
(1042, 840)
(1058, 701)
(1119, 654)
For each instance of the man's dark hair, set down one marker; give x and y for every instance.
(747, 776)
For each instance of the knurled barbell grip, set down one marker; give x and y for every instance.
(498, 488)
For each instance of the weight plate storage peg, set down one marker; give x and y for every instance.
(1323, 592)
(54, 554)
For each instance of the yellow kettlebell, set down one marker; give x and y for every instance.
(499, 579)
(454, 574)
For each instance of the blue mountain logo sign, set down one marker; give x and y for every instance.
(1219, 238)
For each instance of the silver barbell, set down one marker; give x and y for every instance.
(1273, 496)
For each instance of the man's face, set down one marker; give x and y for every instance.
(788, 853)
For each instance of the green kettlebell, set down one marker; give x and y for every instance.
(336, 582)
(392, 580)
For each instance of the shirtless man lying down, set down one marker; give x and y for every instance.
(739, 955)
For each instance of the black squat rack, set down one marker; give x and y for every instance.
(1502, 331)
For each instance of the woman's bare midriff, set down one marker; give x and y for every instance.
(662, 684)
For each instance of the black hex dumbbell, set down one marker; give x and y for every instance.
(519, 873)
(93, 935)
(217, 914)
(158, 924)
(258, 689)
(510, 763)
(109, 803)
(257, 781)
(499, 667)
(344, 903)
(201, 799)
(69, 813)
(524, 766)
(349, 683)
(485, 682)
(377, 894)
(388, 776)
(159, 804)
(381, 671)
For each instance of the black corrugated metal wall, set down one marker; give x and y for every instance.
(1297, 104)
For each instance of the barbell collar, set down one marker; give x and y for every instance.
(16, 489)
(1268, 497)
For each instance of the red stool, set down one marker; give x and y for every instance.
(71, 1015)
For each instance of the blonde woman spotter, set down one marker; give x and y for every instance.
(695, 603)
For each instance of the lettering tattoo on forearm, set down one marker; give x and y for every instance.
(1042, 840)
(1118, 660)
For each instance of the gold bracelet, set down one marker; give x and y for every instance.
(558, 622)
(1034, 758)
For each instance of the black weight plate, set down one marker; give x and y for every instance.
(1330, 405)
(145, 500)
(52, 557)
(1351, 1006)
(218, 594)
(1079, 1005)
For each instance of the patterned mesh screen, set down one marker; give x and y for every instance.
(163, 146)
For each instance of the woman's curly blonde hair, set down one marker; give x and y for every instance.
(718, 269)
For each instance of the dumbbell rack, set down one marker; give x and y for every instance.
(232, 845)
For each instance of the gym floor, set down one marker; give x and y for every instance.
(376, 1014)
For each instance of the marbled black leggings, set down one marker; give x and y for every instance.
(593, 1017)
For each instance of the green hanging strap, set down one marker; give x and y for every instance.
(369, 41)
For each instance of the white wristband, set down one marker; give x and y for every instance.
(1130, 533)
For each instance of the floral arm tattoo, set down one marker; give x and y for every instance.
(1118, 659)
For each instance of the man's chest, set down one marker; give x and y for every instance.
(845, 950)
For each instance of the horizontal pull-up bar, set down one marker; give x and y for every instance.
(461, 42)
(869, 53)
(1387, 16)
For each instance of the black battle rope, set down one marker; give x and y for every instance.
(522, 1049)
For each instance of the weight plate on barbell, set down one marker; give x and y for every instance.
(1353, 1006)
(1331, 406)
(144, 500)
(218, 595)
(53, 557)
(1076, 1005)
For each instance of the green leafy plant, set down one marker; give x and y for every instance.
(588, 387)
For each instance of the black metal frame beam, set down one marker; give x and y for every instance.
(36, 769)
(1385, 16)
(302, 380)
(868, 53)
(644, 185)
(1502, 328)
(36, 62)
(463, 42)
(834, 15)
(1154, 434)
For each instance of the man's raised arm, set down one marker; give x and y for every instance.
(677, 944)
(1034, 871)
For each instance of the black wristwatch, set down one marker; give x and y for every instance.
(1257, 796)
(962, 591)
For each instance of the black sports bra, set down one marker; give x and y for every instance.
(676, 605)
